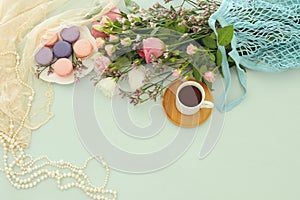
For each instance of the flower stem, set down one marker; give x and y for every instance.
(187, 41)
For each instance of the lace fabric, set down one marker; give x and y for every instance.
(25, 101)
(22, 25)
(266, 37)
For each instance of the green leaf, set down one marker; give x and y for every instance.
(209, 42)
(106, 30)
(219, 58)
(212, 57)
(203, 69)
(127, 23)
(180, 29)
(118, 24)
(97, 27)
(213, 35)
(225, 35)
(196, 74)
(138, 20)
(169, 24)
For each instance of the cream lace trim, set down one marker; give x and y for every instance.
(25, 101)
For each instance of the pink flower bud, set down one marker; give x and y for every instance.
(209, 76)
(176, 73)
(191, 49)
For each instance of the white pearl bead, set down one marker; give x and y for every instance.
(36, 173)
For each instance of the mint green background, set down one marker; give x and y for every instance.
(256, 157)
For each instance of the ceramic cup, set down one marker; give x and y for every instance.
(190, 97)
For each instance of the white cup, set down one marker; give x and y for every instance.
(187, 110)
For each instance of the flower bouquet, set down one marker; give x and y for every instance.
(140, 53)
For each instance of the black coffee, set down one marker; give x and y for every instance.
(190, 96)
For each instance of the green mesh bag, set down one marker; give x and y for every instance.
(266, 38)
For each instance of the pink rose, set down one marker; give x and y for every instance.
(101, 64)
(152, 47)
(103, 22)
(176, 73)
(141, 53)
(95, 32)
(209, 76)
(191, 49)
(112, 15)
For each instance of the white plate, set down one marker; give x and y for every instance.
(53, 78)
(88, 62)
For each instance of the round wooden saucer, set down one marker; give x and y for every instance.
(179, 119)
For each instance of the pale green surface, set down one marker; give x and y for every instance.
(256, 158)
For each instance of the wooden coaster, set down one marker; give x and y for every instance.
(179, 119)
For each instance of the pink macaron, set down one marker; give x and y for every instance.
(83, 48)
(63, 67)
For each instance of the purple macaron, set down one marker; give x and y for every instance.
(70, 34)
(44, 56)
(62, 49)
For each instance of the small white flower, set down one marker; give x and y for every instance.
(191, 49)
(152, 25)
(166, 55)
(184, 35)
(126, 42)
(138, 38)
(100, 42)
(131, 17)
(136, 78)
(110, 49)
(107, 86)
(123, 20)
(113, 38)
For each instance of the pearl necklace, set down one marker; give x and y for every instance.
(24, 172)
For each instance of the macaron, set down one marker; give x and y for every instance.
(62, 49)
(44, 56)
(53, 39)
(63, 67)
(83, 48)
(70, 34)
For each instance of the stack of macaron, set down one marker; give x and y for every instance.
(57, 52)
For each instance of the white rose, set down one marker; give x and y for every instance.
(136, 78)
(107, 86)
